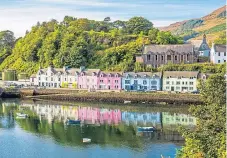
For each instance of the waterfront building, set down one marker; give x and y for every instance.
(88, 78)
(180, 81)
(57, 77)
(33, 80)
(177, 119)
(157, 55)
(218, 53)
(136, 81)
(109, 80)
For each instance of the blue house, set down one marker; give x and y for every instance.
(141, 81)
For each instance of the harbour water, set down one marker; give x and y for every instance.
(112, 130)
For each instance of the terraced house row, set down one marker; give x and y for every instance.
(95, 79)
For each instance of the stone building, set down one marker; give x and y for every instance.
(218, 53)
(157, 55)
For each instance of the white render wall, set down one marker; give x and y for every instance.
(215, 58)
(185, 84)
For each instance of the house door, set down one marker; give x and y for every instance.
(172, 88)
(108, 87)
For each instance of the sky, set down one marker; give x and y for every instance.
(20, 15)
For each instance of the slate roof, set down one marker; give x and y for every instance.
(141, 74)
(164, 48)
(220, 48)
(105, 73)
(185, 74)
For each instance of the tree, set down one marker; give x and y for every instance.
(136, 25)
(167, 38)
(152, 35)
(208, 139)
(107, 19)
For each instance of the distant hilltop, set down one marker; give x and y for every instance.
(212, 25)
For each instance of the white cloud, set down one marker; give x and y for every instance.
(92, 3)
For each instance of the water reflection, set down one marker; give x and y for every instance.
(115, 127)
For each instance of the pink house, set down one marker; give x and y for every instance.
(88, 79)
(109, 81)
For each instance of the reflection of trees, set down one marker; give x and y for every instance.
(6, 116)
(72, 135)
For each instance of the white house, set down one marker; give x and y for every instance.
(218, 53)
(180, 81)
(57, 77)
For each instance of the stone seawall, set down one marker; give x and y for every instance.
(112, 97)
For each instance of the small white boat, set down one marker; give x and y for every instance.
(127, 102)
(20, 115)
(86, 140)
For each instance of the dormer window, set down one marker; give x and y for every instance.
(101, 75)
(116, 75)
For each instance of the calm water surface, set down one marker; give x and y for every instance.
(112, 130)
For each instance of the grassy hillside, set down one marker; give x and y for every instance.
(213, 25)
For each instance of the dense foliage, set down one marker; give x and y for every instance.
(209, 137)
(7, 41)
(75, 42)
(221, 39)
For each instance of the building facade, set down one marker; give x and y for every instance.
(55, 77)
(109, 80)
(180, 81)
(88, 78)
(132, 81)
(218, 54)
(157, 55)
(202, 47)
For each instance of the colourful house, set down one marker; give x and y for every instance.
(88, 78)
(109, 80)
(132, 81)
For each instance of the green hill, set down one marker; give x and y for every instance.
(74, 42)
(213, 25)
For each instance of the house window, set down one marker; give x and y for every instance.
(59, 79)
(127, 87)
(127, 81)
(39, 84)
(162, 57)
(144, 82)
(167, 87)
(177, 88)
(178, 83)
(101, 81)
(39, 78)
(187, 57)
(168, 57)
(182, 57)
(116, 81)
(190, 88)
(186, 83)
(175, 57)
(224, 61)
(51, 78)
(183, 83)
(135, 82)
(145, 87)
(224, 53)
(65, 79)
(153, 82)
(172, 82)
(190, 83)
(148, 57)
(219, 54)
(167, 82)
(156, 57)
(108, 81)
(46, 78)
(219, 61)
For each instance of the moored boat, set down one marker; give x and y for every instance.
(86, 140)
(73, 122)
(146, 129)
(21, 115)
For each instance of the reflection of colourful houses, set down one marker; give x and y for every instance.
(178, 119)
(141, 118)
(99, 116)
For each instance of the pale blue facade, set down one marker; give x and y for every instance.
(141, 81)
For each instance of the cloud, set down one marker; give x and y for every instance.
(91, 3)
